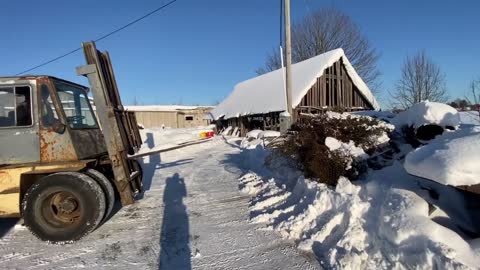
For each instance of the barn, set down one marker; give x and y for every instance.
(325, 82)
(174, 116)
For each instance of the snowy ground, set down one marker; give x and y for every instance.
(192, 216)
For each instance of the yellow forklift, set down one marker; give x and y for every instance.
(63, 164)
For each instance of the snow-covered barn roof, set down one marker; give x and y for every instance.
(266, 93)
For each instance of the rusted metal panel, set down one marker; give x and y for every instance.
(20, 144)
(88, 142)
(56, 147)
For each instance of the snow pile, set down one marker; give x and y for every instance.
(469, 118)
(383, 221)
(227, 130)
(427, 112)
(258, 137)
(253, 133)
(386, 116)
(160, 138)
(452, 159)
(268, 134)
(266, 93)
(351, 228)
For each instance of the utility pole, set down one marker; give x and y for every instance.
(286, 118)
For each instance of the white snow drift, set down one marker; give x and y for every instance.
(451, 159)
(427, 112)
(383, 221)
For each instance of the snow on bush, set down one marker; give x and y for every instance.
(452, 159)
(347, 150)
(426, 113)
(326, 146)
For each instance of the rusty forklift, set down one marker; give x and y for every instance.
(61, 165)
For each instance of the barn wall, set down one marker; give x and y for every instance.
(335, 89)
(157, 119)
(174, 119)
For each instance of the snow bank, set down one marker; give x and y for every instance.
(382, 115)
(268, 134)
(258, 137)
(159, 138)
(427, 112)
(253, 133)
(266, 93)
(346, 230)
(374, 224)
(469, 118)
(452, 159)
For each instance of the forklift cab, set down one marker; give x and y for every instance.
(44, 119)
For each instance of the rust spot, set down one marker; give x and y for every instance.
(56, 147)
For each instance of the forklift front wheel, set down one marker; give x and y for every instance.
(107, 188)
(63, 206)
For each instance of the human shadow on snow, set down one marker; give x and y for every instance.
(174, 237)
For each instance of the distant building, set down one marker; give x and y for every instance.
(321, 83)
(174, 116)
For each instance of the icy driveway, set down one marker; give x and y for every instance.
(192, 216)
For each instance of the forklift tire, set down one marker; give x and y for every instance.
(63, 206)
(107, 188)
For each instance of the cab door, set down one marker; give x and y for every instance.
(19, 131)
(55, 140)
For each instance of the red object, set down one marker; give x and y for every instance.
(210, 134)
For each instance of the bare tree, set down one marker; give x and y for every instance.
(475, 92)
(421, 80)
(325, 30)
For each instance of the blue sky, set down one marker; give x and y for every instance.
(194, 52)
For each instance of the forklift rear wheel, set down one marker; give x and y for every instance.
(63, 206)
(107, 188)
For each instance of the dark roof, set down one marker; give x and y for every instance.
(30, 77)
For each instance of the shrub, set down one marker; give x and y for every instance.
(305, 143)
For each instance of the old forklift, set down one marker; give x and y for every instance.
(61, 165)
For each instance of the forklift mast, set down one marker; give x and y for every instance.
(119, 127)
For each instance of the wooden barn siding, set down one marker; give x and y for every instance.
(334, 89)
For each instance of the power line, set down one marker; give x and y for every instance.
(100, 38)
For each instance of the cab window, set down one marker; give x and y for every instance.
(76, 106)
(49, 114)
(15, 106)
